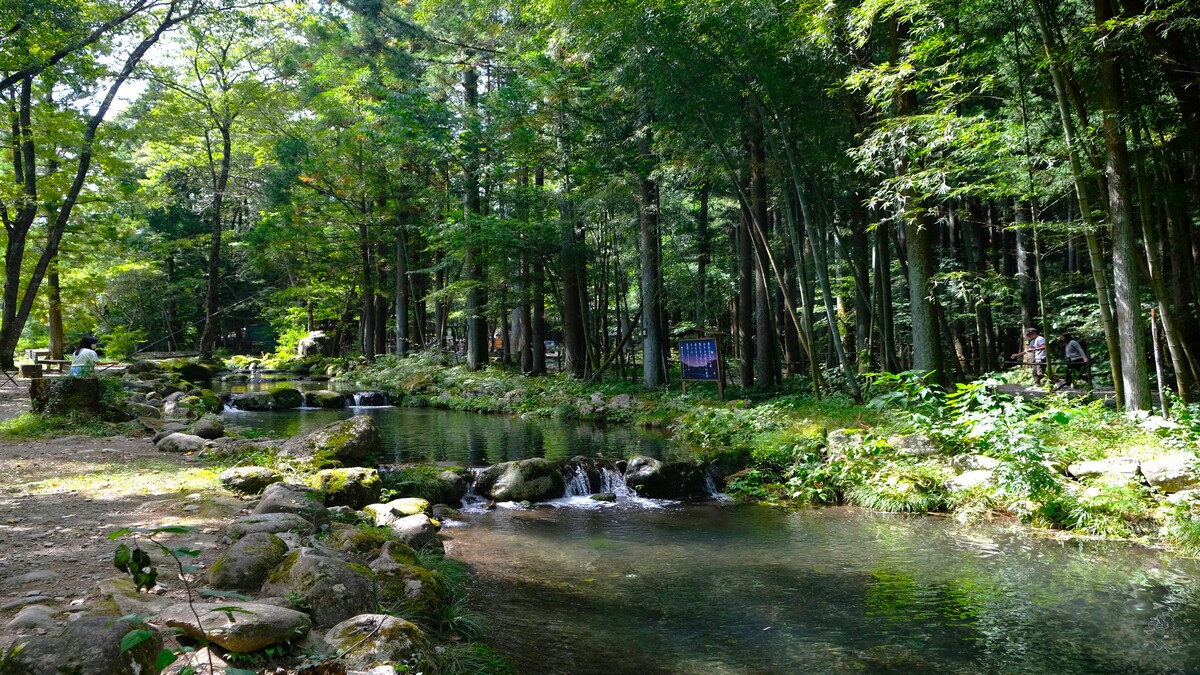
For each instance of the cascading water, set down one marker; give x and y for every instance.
(472, 502)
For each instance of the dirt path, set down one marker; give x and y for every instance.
(60, 498)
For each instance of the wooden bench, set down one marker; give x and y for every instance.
(60, 363)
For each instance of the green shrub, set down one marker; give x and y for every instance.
(902, 487)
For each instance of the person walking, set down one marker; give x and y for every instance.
(1077, 359)
(1037, 351)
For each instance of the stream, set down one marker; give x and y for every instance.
(577, 587)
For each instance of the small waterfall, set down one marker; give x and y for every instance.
(578, 483)
(614, 481)
(472, 501)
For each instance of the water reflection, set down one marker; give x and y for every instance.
(427, 435)
(755, 590)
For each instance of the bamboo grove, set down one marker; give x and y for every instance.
(835, 188)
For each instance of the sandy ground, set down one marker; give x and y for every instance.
(60, 498)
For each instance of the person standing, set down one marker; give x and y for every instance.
(1077, 359)
(84, 360)
(1037, 350)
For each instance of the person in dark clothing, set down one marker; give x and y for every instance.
(1077, 360)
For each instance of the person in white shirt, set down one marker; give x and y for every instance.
(1077, 359)
(1037, 350)
(84, 360)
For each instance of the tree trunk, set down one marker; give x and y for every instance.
(477, 337)
(55, 321)
(212, 304)
(1130, 327)
(653, 337)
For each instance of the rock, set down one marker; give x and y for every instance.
(127, 600)
(34, 577)
(180, 442)
(354, 487)
(234, 448)
(249, 479)
(286, 398)
(334, 590)
(88, 646)
(208, 429)
(1172, 473)
(316, 343)
(247, 627)
(531, 480)
(253, 400)
(454, 488)
(244, 565)
(405, 588)
(973, 462)
(416, 531)
(970, 479)
(603, 497)
(375, 638)
(32, 618)
(273, 523)
(324, 399)
(441, 512)
(621, 402)
(1115, 465)
(386, 514)
(343, 443)
(290, 498)
(658, 480)
(1184, 496)
(357, 542)
(840, 440)
(371, 398)
(140, 410)
(917, 445)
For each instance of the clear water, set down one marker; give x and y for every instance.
(752, 590)
(431, 435)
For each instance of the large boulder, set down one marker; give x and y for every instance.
(291, 498)
(208, 429)
(528, 480)
(361, 543)
(386, 514)
(661, 480)
(244, 565)
(1125, 466)
(88, 646)
(249, 480)
(238, 626)
(368, 639)
(180, 442)
(286, 398)
(354, 487)
(1172, 473)
(343, 443)
(316, 343)
(324, 398)
(273, 523)
(253, 400)
(439, 486)
(333, 590)
(416, 531)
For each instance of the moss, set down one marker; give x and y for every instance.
(287, 397)
(361, 569)
(284, 569)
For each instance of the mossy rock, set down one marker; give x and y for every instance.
(333, 400)
(354, 487)
(65, 395)
(244, 565)
(359, 541)
(286, 398)
(343, 443)
(433, 484)
(409, 590)
(369, 639)
(531, 480)
(192, 371)
(334, 590)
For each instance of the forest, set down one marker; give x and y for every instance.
(832, 188)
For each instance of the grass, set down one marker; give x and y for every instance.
(137, 476)
(32, 426)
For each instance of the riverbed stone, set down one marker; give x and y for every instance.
(140, 410)
(368, 639)
(1172, 473)
(343, 443)
(970, 479)
(333, 589)
(528, 480)
(386, 514)
(33, 617)
(87, 646)
(180, 442)
(355, 487)
(357, 542)
(324, 398)
(244, 565)
(291, 498)
(124, 597)
(286, 398)
(1113, 465)
(249, 480)
(208, 429)
(273, 523)
(405, 587)
(253, 400)
(238, 626)
(416, 531)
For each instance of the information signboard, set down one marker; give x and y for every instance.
(700, 360)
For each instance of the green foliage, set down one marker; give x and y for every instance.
(121, 341)
(33, 425)
(902, 486)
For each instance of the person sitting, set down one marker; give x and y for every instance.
(84, 360)
(1037, 350)
(1077, 360)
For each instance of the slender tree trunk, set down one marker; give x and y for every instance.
(1130, 326)
(55, 320)
(212, 295)
(765, 375)
(476, 302)
(745, 298)
(703, 253)
(653, 336)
